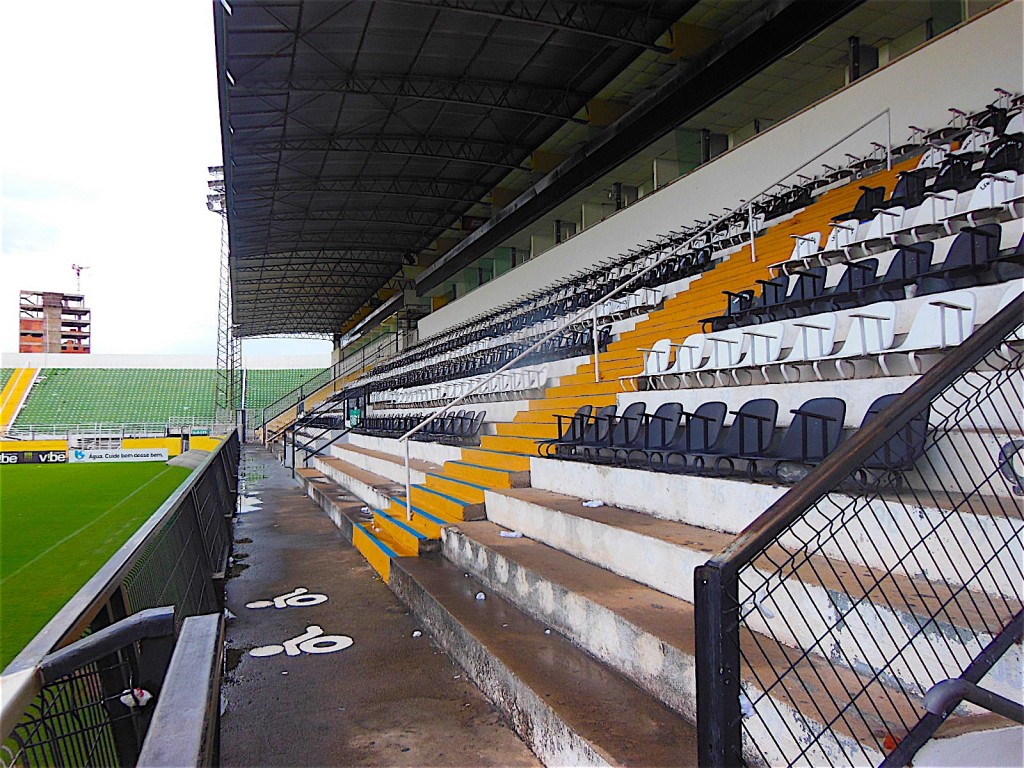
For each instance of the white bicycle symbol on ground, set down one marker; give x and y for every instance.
(297, 598)
(313, 640)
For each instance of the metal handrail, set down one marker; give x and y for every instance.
(673, 252)
(862, 445)
(300, 392)
(716, 582)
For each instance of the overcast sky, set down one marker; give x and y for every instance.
(110, 121)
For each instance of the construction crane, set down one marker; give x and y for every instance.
(78, 276)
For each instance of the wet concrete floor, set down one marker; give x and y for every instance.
(386, 699)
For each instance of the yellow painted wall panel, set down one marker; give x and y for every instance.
(33, 445)
(201, 443)
(172, 444)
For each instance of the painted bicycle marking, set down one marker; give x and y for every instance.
(312, 641)
(297, 598)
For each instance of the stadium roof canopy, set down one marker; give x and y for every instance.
(356, 133)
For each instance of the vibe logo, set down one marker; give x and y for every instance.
(312, 641)
(53, 457)
(8, 458)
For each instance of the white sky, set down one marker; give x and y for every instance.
(110, 119)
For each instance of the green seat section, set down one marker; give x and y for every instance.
(265, 386)
(67, 396)
(5, 376)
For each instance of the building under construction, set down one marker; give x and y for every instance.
(54, 322)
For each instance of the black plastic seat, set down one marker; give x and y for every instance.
(622, 431)
(657, 431)
(966, 263)
(748, 437)
(700, 432)
(815, 432)
(570, 430)
(900, 453)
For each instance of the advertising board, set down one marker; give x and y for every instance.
(78, 456)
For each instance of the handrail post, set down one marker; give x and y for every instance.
(408, 483)
(888, 139)
(597, 349)
(716, 612)
(750, 228)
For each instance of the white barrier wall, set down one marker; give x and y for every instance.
(35, 360)
(957, 69)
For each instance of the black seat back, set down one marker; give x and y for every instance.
(660, 428)
(627, 425)
(704, 427)
(903, 449)
(815, 431)
(752, 429)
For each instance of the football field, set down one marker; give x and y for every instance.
(58, 525)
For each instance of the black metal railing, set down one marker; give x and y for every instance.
(175, 559)
(895, 565)
(352, 363)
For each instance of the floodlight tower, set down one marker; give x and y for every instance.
(229, 370)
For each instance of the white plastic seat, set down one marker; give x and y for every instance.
(992, 198)
(944, 321)
(872, 331)
(690, 356)
(927, 220)
(765, 345)
(657, 361)
(815, 339)
(726, 350)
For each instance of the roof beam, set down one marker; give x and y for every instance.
(531, 13)
(400, 186)
(537, 101)
(472, 151)
(768, 33)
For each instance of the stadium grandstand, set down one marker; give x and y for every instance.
(48, 396)
(676, 378)
(691, 331)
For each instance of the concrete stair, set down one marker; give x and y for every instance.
(569, 707)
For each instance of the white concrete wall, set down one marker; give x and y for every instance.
(958, 69)
(34, 360)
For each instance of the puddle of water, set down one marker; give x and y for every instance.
(232, 658)
(249, 504)
(243, 541)
(240, 556)
(236, 570)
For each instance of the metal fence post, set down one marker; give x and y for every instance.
(716, 609)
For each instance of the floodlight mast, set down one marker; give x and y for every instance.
(229, 370)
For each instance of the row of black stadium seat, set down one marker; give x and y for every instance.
(674, 440)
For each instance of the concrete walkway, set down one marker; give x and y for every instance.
(387, 699)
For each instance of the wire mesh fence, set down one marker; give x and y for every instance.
(897, 570)
(81, 719)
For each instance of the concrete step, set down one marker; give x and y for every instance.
(509, 444)
(567, 706)
(497, 459)
(407, 539)
(375, 490)
(389, 465)
(444, 505)
(460, 489)
(427, 523)
(570, 404)
(339, 504)
(487, 476)
(583, 389)
(534, 431)
(643, 634)
(663, 554)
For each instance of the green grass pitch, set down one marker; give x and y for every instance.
(58, 525)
